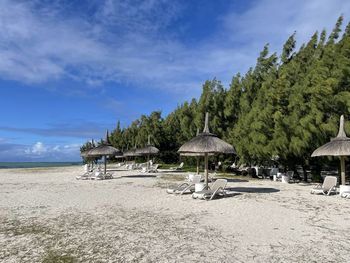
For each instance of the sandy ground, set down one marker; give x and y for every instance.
(46, 215)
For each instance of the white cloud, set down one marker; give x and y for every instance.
(273, 21)
(128, 41)
(41, 151)
(38, 149)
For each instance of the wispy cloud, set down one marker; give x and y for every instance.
(132, 41)
(272, 21)
(39, 152)
(75, 130)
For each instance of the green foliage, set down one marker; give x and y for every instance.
(283, 107)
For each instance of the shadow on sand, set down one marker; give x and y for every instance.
(260, 190)
(233, 180)
(116, 170)
(139, 176)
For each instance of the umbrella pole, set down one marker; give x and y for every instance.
(105, 163)
(147, 162)
(206, 169)
(197, 164)
(342, 169)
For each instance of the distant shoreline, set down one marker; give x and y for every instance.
(14, 165)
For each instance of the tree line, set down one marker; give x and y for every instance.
(286, 106)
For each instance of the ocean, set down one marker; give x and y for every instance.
(7, 165)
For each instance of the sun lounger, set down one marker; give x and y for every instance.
(85, 176)
(186, 186)
(328, 186)
(345, 195)
(293, 177)
(178, 168)
(274, 174)
(101, 176)
(216, 188)
(152, 169)
(89, 171)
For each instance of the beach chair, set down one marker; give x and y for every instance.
(273, 174)
(293, 177)
(85, 176)
(107, 176)
(186, 186)
(101, 176)
(151, 169)
(216, 188)
(345, 195)
(328, 186)
(178, 168)
(88, 173)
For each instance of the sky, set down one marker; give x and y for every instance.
(70, 69)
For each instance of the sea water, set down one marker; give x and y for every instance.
(7, 165)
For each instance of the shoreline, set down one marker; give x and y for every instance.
(25, 165)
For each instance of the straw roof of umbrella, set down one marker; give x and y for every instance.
(149, 149)
(104, 149)
(192, 154)
(130, 153)
(206, 142)
(85, 153)
(338, 146)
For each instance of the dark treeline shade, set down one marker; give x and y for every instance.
(285, 106)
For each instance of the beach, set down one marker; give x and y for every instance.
(46, 215)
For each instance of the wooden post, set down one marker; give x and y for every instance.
(105, 163)
(342, 169)
(147, 162)
(197, 164)
(206, 169)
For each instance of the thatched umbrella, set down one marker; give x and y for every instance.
(197, 155)
(131, 153)
(105, 149)
(84, 153)
(206, 144)
(338, 146)
(148, 150)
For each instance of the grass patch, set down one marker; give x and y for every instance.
(233, 176)
(16, 228)
(172, 177)
(52, 256)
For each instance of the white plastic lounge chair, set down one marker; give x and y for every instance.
(217, 188)
(88, 173)
(345, 195)
(85, 176)
(151, 169)
(293, 177)
(186, 186)
(178, 168)
(273, 173)
(101, 176)
(328, 186)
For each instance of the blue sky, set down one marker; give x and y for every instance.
(71, 69)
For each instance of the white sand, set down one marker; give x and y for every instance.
(46, 215)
